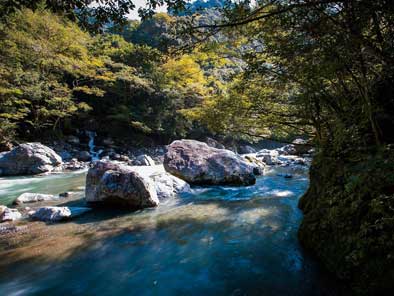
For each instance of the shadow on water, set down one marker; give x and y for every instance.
(215, 241)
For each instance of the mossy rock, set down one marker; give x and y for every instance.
(349, 219)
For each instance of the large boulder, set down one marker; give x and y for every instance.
(29, 159)
(197, 163)
(117, 184)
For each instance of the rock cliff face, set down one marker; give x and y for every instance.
(197, 163)
(349, 218)
(29, 159)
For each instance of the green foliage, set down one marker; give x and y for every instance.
(348, 218)
(157, 32)
(52, 70)
(43, 57)
(93, 15)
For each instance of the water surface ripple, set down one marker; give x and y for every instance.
(215, 241)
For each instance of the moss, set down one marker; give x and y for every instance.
(349, 218)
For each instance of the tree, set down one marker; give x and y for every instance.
(93, 15)
(45, 60)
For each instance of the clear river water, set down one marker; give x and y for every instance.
(215, 241)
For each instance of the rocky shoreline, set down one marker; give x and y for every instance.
(140, 181)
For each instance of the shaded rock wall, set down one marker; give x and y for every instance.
(349, 218)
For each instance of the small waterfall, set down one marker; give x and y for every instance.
(95, 155)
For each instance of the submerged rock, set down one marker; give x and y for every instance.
(56, 214)
(66, 194)
(112, 183)
(197, 163)
(29, 159)
(9, 214)
(286, 176)
(33, 197)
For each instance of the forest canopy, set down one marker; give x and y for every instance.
(315, 68)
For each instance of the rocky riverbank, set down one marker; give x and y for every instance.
(100, 218)
(121, 182)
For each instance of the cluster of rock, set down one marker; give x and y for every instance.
(291, 154)
(76, 151)
(186, 162)
(141, 183)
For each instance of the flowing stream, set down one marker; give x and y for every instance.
(215, 241)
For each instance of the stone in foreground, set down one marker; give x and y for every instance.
(117, 184)
(197, 163)
(29, 159)
(9, 215)
(56, 214)
(33, 197)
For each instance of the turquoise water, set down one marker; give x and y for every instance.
(215, 241)
(12, 187)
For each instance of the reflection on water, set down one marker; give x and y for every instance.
(215, 241)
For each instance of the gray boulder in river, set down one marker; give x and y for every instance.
(112, 183)
(131, 186)
(29, 159)
(197, 163)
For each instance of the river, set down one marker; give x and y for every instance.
(215, 241)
